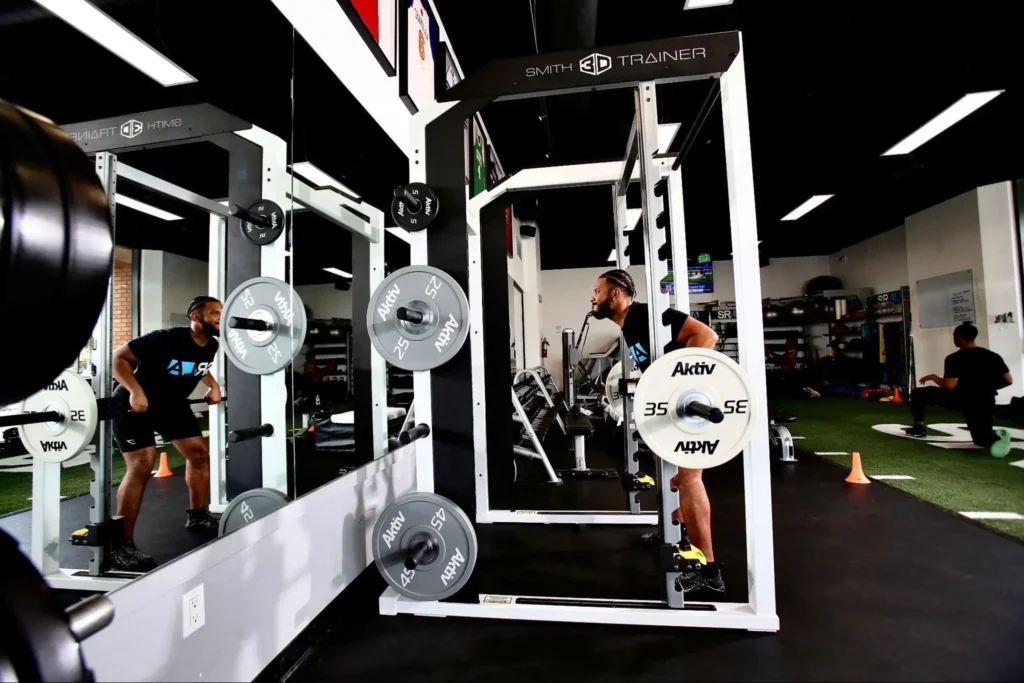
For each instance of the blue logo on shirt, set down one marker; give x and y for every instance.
(182, 368)
(638, 352)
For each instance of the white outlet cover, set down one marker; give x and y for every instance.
(190, 623)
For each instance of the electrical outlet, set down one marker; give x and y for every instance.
(193, 611)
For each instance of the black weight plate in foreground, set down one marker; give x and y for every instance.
(37, 643)
(262, 235)
(250, 506)
(419, 517)
(56, 248)
(433, 295)
(414, 221)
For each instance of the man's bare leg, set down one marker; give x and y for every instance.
(695, 509)
(197, 469)
(139, 467)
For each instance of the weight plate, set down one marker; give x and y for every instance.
(274, 302)
(250, 506)
(694, 374)
(414, 518)
(431, 293)
(264, 234)
(71, 396)
(612, 397)
(416, 220)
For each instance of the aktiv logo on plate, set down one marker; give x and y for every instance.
(595, 64)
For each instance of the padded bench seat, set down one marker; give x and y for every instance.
(780, 417)
(578, 424)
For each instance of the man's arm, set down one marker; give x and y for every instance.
(696, 334)
(944, 382)
(213, 395)
(1005, 381)
(123, 365)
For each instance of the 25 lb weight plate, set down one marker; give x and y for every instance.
(250, 506)
(418, 318)
(279, 331)
(424, 546)
(71, 396)
(695, 408)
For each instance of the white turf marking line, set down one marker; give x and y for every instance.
(831, 453)
(1019, 463)
(993, 515)
(797, 437)
(890, 476)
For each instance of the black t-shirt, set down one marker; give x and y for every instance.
(978, 372)
(637, 332)
(170, 363)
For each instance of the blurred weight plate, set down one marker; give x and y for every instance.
(250, 506)
(611, 391)
(274, 302)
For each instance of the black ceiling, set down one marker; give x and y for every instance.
(831, 86)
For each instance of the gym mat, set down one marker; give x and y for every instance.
(160, 530)
(872, 584)
(957, 479)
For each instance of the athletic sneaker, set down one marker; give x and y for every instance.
(125, 557)
(1001, 448)
(713, 577)
(201, 520)
(917, 431)
(701, 577)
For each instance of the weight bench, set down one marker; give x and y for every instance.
(778, 433)
(580, 428)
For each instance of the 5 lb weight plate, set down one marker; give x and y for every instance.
(250, 506)
(414, 206)
(424, 546)
(272, 218)
(71, 396)
(280, 325)
(695, 408)
(418, 318)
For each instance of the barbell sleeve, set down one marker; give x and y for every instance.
(698, 409)
(253, 324)
(418, 432)
(409, 198)
(409, 315)
(421, 550)
(89, 616)
(22, 419)
(250, 433)
(245, 215)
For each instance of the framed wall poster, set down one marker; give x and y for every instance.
(376, 23)
(418, 42)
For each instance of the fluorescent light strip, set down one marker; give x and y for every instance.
(119, 40)
(320, 179)
(701, 4)
(340, 273)
(121, 200)
(808, 206)
(963, 108)
(612, 257)
(400, 233)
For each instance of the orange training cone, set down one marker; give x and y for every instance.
(896, 398)
(163, 470)
(857, 475)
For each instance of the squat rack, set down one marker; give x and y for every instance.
(475, 257)
(255, 399)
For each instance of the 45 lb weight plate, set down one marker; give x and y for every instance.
(250, 506)
(695, 408)
(418, 318)
(424, 546)
(263, 325)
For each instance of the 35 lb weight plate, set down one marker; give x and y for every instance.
(250, 506)
(694, 376)
(418, 318)
(424, 546)
(273, 223)
(612, 397)
(274, 304)
(72, 397)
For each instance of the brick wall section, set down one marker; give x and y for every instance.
(123, 302)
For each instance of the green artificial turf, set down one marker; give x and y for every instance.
(956, 479)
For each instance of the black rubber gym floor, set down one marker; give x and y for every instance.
(160, 530)
(872, 584)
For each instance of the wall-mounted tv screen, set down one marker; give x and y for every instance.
(701, 277)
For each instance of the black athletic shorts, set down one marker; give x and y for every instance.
(134, 431)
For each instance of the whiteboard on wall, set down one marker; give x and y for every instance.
(946, 300)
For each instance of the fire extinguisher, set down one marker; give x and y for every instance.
(544, 344)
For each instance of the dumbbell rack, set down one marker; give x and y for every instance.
(535, 410)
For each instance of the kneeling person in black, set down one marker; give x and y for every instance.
(156, 374)
(971, 378)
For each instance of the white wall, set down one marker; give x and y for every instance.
(326, 302)
(533, 314)
(879, 262)
(999, 256)
(567, 300)
(183, 280)
(151, 291)
(943, 239)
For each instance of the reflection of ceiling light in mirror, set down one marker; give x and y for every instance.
(611, 257)
(701, 4)
(340, 273)
(808, 206)
(121, 200)
(400, 233)
(318, 178)
(959, 110)
(108, 33)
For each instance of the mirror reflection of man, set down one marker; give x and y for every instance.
(613, 299)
